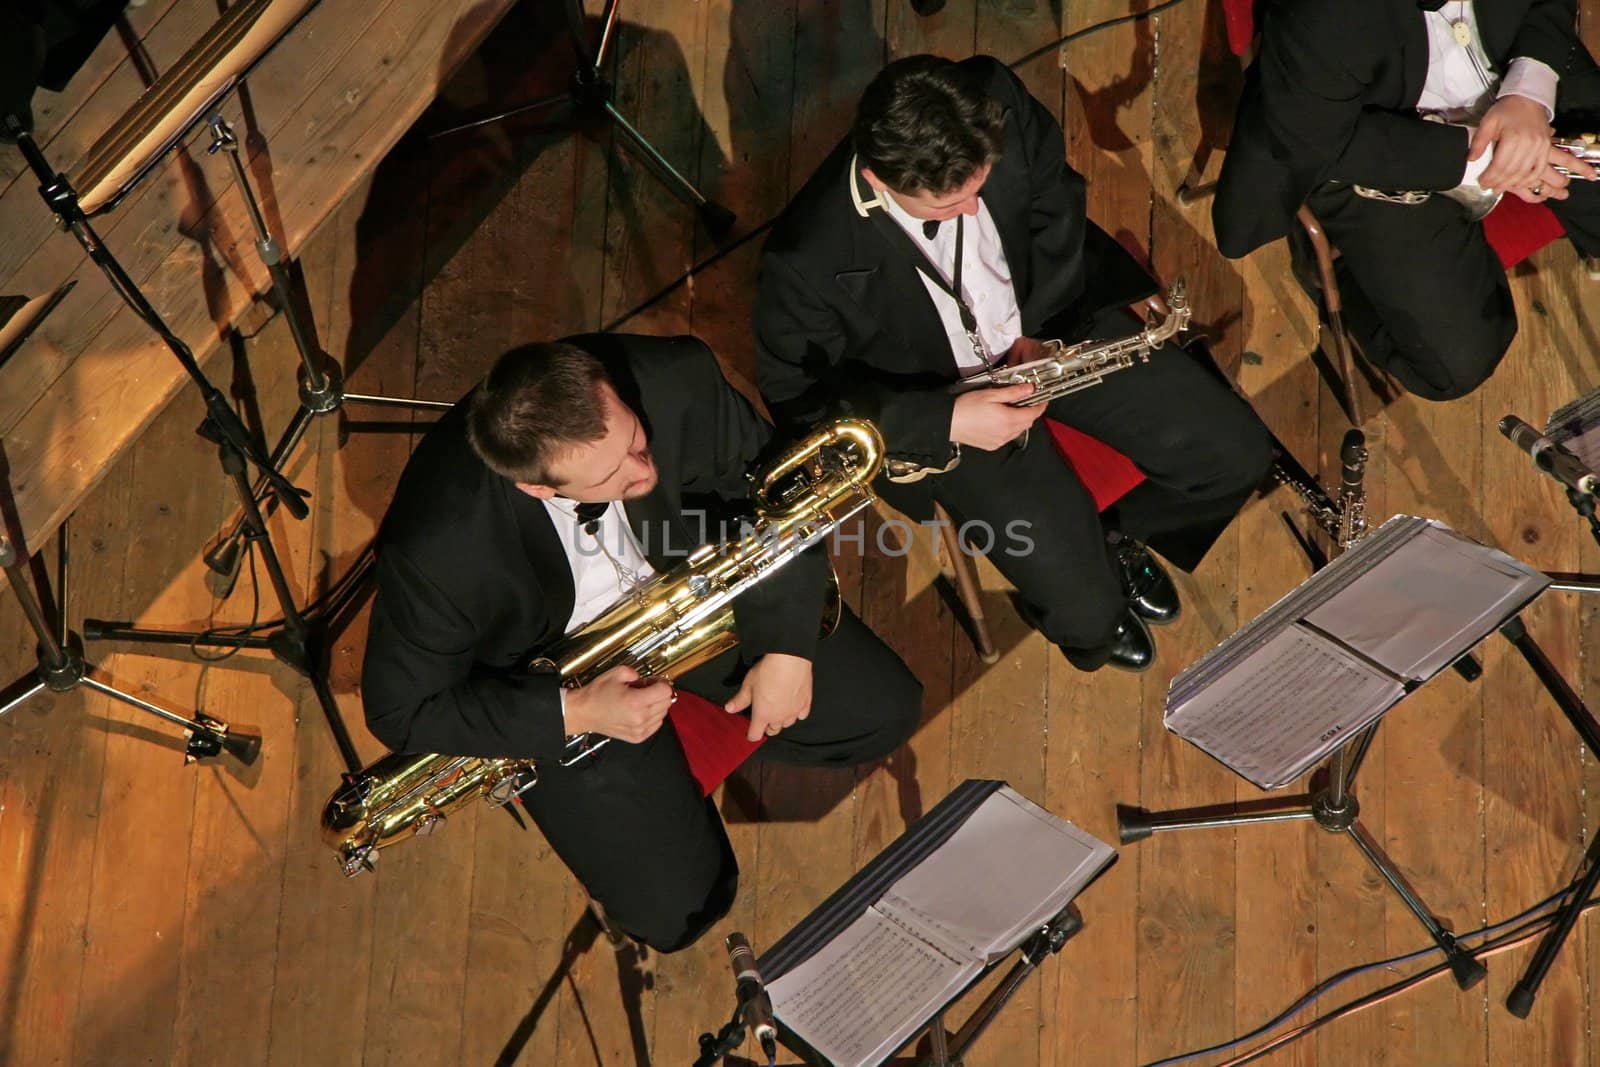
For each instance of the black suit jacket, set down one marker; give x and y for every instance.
(1333, 92)
(472, 576)
(843, 322)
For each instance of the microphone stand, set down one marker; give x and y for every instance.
(295, 644)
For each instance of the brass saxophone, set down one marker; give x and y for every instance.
(1474, 199)
(1067, 369)
(667, 626)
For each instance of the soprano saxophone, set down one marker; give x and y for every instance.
(667, 626)
(1474, 199)
(1066, 369)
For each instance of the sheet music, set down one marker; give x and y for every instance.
(1333, 655)
(1433, 598)
(866, 992)
(1010, 867)
(1287, 704)
(1296, 604)
(1006, 870)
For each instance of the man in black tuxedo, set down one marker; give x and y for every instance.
(955, 165)
(574, 470)
(1333, 111)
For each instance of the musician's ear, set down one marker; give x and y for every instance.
(873, 180)
(538, 492)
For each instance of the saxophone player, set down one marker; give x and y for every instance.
(1336, 106)
(573, 471)
(864, 306)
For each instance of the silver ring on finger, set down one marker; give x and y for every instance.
(772, 729)
(1538, 189)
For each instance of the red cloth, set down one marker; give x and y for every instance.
(713, 740)
(1241, 19)
(1517, 229)
(1105, 472)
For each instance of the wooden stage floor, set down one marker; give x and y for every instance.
(153, 913)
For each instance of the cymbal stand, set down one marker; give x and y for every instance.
(297, 644)
(589, 96)
(62, 667)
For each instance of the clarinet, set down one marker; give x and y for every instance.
(1351, 508)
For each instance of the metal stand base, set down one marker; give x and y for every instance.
(1334, 808)
(298, 639)
(62, 666)
(589, 97)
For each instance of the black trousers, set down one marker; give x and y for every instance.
(1424, 295)
(631, 823)
(1202, 448)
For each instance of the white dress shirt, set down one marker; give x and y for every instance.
(605, 564)
(1462, 83)
(985, 282)
(598, 579)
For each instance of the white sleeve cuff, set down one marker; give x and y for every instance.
(1477, 166)
(1535, 80)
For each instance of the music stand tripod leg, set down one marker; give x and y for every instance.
(1333, 808)
(62, 668)
(1520, 1001)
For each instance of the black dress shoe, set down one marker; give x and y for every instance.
(1145, 582)
(1132, 649)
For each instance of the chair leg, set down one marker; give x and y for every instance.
(966, 580)
(1335, 308)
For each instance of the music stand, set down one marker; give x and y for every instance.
(1333, 805)
(846, 905)
(213, 66)
(589, 99)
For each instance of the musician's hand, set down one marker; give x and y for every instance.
(1520, 131)
(1551, 183)
(984, 418)
(619, 704)
(1024, 350)
(777, 690)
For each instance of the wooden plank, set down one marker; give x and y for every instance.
(49, 816)
(1188, 881)
(58, 455)
(140, 866)
(371, 251)
(1533, 776)
(1432, 772)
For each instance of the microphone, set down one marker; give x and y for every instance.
(754, 1004)
(1551, 457)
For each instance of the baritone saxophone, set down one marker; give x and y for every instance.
(665, 627)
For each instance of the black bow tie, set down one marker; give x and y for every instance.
(930, 229)
(589, 515)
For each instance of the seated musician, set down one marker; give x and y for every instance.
(1336, 112)
(856, 312)
(572, 472)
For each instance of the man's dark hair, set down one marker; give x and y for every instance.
(924, 123)
(537, 402)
